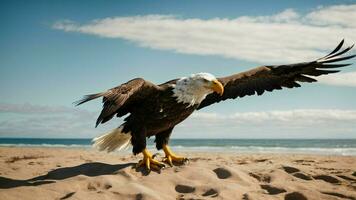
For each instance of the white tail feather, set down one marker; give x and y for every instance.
(115, 139)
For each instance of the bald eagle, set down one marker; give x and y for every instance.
(154, 110)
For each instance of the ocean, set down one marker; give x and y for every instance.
(301, 146)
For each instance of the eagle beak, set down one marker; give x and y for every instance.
(217, 87)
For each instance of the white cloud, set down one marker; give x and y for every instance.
(288, 36)
(343, 15)
(304, 116)
(27, 108)
(340, 79)
(50, 121)
(302, 123)
(28, 120)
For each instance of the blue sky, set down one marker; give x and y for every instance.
(53, 53)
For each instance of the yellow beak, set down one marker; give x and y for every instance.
(217, 87)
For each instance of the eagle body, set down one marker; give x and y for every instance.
(154, 110)
(156, 116)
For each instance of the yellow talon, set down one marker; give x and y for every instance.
(171, 157)
(149, 162)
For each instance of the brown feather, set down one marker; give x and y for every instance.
(269, 78)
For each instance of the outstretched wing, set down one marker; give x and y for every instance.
(120, 100)
(269, 78)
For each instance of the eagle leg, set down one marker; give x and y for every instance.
(149, 162)
(171, 157)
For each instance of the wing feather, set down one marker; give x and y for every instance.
(120, 100)
(269, 78)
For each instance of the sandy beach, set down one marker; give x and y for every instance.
(59, 173)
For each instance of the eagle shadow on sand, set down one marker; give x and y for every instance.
(87, 169)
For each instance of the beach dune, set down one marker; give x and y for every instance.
(59, 173)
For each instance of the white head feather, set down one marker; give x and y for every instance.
(193, 89)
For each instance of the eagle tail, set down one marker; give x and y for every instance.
(88, 97)
(115, 139)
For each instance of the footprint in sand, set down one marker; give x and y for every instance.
(273, 190)
(211, 192)
(222, 173)
(261, 177)
(296, 173)
(139, 196)
(295, 196)
(67, 196)
(184, 189)
(346, 178)
(261, 160)
(302, 176)
(107, 186)
(327, 178)
(245, 197)
(290, 170)
(338, 195)
(93, 186)
(304, 161)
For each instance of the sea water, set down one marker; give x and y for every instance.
(302, 146)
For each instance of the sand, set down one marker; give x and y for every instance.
(58, 173)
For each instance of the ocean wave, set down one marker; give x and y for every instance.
(230, 149)
(260, 149)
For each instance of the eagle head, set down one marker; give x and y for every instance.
(193, 89)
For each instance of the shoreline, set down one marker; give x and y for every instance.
(223, 150)
(63, 173)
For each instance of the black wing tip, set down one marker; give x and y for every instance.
(338, 59)
(333, 56)
(332, 71)
(338, 47)
(79, 102)
(84, 99)
(341, 43)
(87, 98)
(97, 123)
(327, 66)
